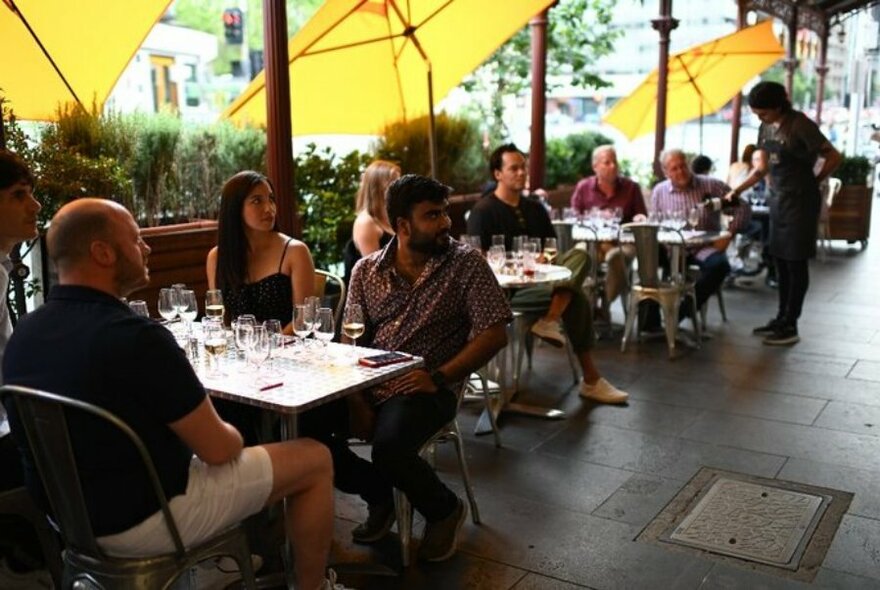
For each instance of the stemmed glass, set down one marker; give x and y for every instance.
(353, 324)
(259, 347)
(214, 303)
(693, 218)
(168, 304)
(188, 308)
(215, 344)
(325, 329)
(276, 340)
(303, 319)
(496, 257)
(550, 250)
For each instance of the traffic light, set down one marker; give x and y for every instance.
(233, 26)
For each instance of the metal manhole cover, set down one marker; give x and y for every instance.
(756, 522)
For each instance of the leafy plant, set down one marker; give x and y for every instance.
(326, 186)
(854, 170)
(568, 159)
(460, 162)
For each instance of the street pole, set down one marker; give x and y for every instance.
(663, 24)
(538, 145)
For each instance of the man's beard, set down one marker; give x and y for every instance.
(430, 245)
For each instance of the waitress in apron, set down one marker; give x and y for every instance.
(790, 145)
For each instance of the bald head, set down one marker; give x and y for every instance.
(96, 243)
(77, 225)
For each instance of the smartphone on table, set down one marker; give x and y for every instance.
(385, 358)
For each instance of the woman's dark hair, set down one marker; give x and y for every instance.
(232, 244)
(769, 95)
(13, 170)
(409, 190)
(748, 151)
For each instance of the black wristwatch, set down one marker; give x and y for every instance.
(439, 379)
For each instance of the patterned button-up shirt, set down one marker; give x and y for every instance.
(627, 195)
(455, 299)
(666, 198)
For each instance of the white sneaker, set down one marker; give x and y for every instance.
(549, 332)
(603, 392)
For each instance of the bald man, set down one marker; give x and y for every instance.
(84, 343)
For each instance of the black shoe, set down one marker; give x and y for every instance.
(379, 520)
(441, 538)
(783, 336)
(768, 328)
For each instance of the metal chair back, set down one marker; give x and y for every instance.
(647, 252)
(322, 277)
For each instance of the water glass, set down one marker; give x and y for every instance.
(139, 306)
(243, 330)
(498, 240)
(496, 257)
(276, 340)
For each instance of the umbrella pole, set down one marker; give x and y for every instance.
(432, 138)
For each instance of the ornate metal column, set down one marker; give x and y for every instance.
(737, 100)
(279, 156)
(664, 24)
(537, 147)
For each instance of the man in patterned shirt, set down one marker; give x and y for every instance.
(682, 191)
(428, 295)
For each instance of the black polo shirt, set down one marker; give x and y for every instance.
(88, 345)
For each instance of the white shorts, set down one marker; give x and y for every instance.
(216, 497)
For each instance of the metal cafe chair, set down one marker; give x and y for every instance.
(19, 502)
(668, 293)
(44, 419)
(404, 510)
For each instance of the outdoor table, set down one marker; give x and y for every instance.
(544, 274)
(295, 385)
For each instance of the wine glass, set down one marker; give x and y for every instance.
(188, 308)
(353, 324)
(214, 303)
(312, 304)
(693, 217)
(276, 340)
(303, 317)
(259, 347)
(179, 288)
(214, 335)
(168, 304)
(550, 250)
(324, 325)
(496, 257)
(139, 306)
(529, 258)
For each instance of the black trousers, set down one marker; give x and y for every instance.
(403, 424)
(794, 280)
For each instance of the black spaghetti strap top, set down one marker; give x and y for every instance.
(350, 255)
(270, 298)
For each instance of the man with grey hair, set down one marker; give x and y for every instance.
(104, 354)
(606, 190)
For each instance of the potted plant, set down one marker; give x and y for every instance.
(850, 213)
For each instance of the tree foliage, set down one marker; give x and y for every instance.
(578, 33)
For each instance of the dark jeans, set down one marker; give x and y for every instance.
(403, 424)
(794, 280)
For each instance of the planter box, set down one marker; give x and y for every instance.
(850, 214)
(178, 256)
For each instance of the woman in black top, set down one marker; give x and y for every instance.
(260, 270)
(789, 144)
(371, 230)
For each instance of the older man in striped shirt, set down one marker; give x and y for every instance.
(682, 191)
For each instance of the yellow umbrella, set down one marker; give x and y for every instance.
(359, 65)
(701, 80)
(89, 41)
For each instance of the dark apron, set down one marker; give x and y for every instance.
(794, 202)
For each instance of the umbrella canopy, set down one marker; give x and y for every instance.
(701, 80)
(359, 65)
(90, 42)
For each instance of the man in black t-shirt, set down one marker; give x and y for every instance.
(505, 211)
(84, 343)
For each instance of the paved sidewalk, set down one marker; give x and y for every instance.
(563, 501)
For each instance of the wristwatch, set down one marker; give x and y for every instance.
(439, 379)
